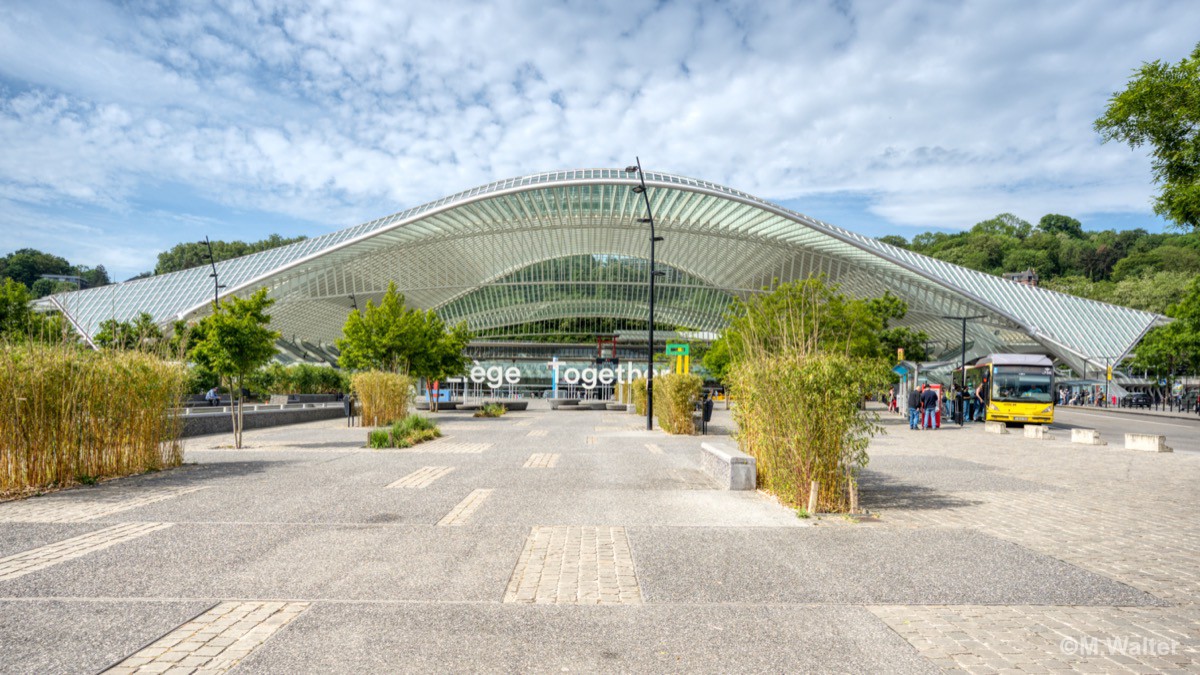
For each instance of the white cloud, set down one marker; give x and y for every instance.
(942, 114)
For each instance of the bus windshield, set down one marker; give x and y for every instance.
(1023, 384)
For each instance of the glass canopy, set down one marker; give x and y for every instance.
(568, 244)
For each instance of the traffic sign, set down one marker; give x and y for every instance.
(676, 349)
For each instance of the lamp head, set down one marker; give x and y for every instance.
(632, 168)
(638, 189)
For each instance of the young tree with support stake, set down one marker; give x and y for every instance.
(234, 342)
(395, 338)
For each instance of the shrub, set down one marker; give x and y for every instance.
(639, 395)
(299, 378)
(799, 417)
(491, 410)
(66, 413)
(382, 396)
(405, 433)
(675, 398)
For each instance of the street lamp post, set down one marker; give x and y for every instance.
(963, 369)
(216, 282)
(641, 189)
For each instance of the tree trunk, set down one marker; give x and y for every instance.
(238, 419)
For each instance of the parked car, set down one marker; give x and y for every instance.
(1137, 399)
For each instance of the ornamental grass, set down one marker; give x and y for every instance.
(675, 397)
(69, 415)
(383, 396)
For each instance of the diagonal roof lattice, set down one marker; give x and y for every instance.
(452, 255)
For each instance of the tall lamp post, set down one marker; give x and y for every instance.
(641, 189)
(216, 283)
(964, 319)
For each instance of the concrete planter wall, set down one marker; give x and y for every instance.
(221, 423)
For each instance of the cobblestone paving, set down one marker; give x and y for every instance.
(990, 639)
(35, 559)
(82, 506)
(448, 448)
(215, 641)
(542, 460)
(461, 513)
(575, 566)
(423, 477)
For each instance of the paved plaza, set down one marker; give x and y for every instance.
(577, 541)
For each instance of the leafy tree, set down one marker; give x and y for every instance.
(193, 254)
(894, 240)
(15, 315)
(234, 341)
(393, 337)
(27, 265)
(1175, 348)
(1160, 107)
(141, 334)
(1053, 223)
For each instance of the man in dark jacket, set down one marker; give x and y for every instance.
(929, 407)
(914, 407)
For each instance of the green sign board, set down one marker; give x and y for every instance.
(678, 349)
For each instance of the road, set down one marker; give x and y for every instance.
(1182, 434)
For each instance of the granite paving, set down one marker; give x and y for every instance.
(561, 541)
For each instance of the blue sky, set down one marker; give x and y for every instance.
(128, 127)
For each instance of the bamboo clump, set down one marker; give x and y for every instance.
(69, 415)
(383, 396)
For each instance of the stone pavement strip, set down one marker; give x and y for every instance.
(42, 557)
(79, 506)
(448, 448)
(461, 513)
(542, 460)
(215, 641)
(575, 566)
(423, 477)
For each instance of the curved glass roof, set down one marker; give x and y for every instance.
(464, 255)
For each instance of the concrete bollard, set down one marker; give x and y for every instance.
(1086, 437)
(995, 427)
(1037, 431)
(1147, 443)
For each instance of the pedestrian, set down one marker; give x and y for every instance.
(213, 396)
(929, 406)
(892, 406)
(914, 407)
(979, 402)
(958, 403)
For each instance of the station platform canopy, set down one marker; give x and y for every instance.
(566, 245)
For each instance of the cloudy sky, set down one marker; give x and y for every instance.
(128, 127)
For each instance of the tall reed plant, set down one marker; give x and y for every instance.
(675, 397)
(68, 414)
(802, 360)
(383, 396)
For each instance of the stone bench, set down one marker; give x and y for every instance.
(1086, 437)
(1147, 443)
(730, 467)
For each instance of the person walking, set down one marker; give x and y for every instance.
(892, 406)
(914, 407)
(929, 406)
(980, 404)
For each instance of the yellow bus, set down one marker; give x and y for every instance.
(1017, 387)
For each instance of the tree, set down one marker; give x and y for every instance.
(142, 334)
(27, 265)
(193, 254)
(1053, 223)
(1175, 348)
(15, 315)
(233, 342)
(1160, 107)
(393, 337)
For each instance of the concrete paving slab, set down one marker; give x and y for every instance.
(545, 639)
(18, 537)
(860, 565)
(83, 636)
(311, 562)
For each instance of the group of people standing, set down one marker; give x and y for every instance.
(925, 402)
